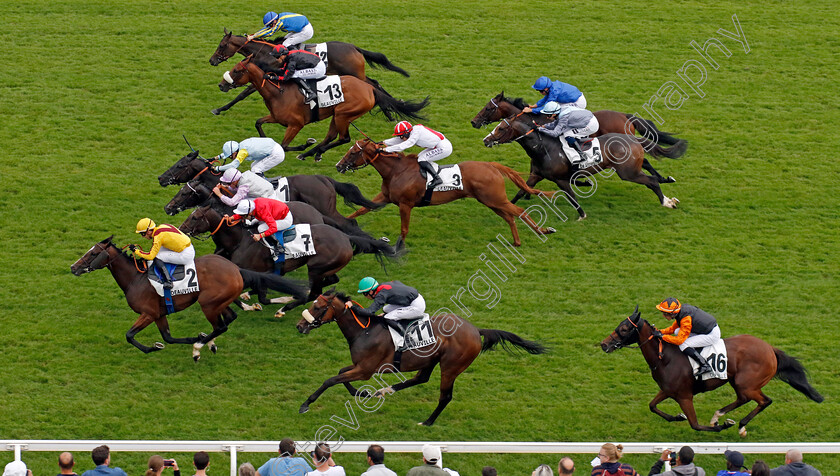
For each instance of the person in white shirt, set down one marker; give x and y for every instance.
(376, 461)
(324, 464)
(435, 146)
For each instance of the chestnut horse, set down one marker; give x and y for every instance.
(459, 342)
(403, 185)
(286, 107)
(341, 58)
(220, 283)
(620, 152)
(752, 363)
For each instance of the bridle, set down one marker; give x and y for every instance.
(318, 320)
(368, 161)
(636, 329)
(102, 260)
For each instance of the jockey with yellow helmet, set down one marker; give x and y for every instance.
(169, 245)
(395, 298)
(697, 328)
(435, 146)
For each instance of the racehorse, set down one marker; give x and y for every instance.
(317, 190)
(752, 363)
(286, 107)
(334, 250)
(403, 185)
(620, 152)
(372, 350)
(219, 280)
(341, 58)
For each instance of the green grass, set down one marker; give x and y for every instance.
(96, 95)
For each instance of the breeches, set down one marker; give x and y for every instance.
(176, 257)
(281, 224)
(414, 310)
(582, 132)
(701, 340)
(440, 151)
(319, 71)
(294, 38)
(268, 162)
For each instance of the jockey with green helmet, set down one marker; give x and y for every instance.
(296, 26)
(697, 328)
(395, 298)
(169, 245)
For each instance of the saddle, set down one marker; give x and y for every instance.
(176, 272)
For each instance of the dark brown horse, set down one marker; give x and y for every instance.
(219, 280)
(372, 350)
(752, 363)
(286, 106)
(620, 152)
(317, 190)
(341, 59)
(403, 185)
(334, 250)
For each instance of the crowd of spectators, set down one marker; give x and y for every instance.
(321, 463)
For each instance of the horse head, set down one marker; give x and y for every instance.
(236, 77)
(201, 220)
(625, 334)
(225, 50)
(360, 155)
(514, 128)
(181, 172)
(192, 194)
(490, 112)
(326, 308)
(97, 257)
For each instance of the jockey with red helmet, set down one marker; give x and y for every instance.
(296, 26)
(435, 146)
(299, 65)
(697, 328)
(274, 217)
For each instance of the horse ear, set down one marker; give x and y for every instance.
(502, 94)
(226, 32)
(107, 240)
(636, 311)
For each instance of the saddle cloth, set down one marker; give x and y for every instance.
(451, 176)
(184, 278)
(419, 334)
(715, 355)
(281, 189)
(329, 91)
(591, 151)
(319, 49)
(300, 244)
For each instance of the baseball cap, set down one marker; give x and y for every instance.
(734, 457)
(431, 453)
(15, 468)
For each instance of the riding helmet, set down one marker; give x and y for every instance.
(230, 176)
(144, 225)
(670, 305)
(403, 127)
(366, 284)
(279, 51)
(230, 148)
(244, 208)
(551, 107)
(542, 83)
(270, 17)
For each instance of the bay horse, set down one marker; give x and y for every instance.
(341, 59)
(752, 363)
(286, 107)
(459, 342)
(403, 185)
(317, 190)
(620, 152)
(220, 283)
(334, 250)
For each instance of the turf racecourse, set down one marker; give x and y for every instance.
(96, 95)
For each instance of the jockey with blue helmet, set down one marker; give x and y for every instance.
(697, 328)
(395, 298)
(435, 146)
(557, 91)
(571, 123)
(265, 152)
(296, 26)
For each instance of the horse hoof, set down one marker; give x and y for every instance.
(311, 141)
(549, 231)
(257, 307)
(582, 217)
(675, 200)
(681, 417)
(743, 432)
(279, 314)
(213, 348)
(425, 423)
(318, 158)
(202, 336)
(384, 391)
(671, 180)
(301, 157)
(385, 239)
(216, 112)
(159, 345)
(303, 408)
(196, 358)
(245, 297)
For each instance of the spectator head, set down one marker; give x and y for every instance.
(543, 470)
(201, 460)
(566, 466)
(610, 453)
(734, 460)
(488, 471)
(247, 469)
(431, 455)
(793, 456)
(100, 455)
(322, 453)
(686, 455)
(15, 468)
(287, 447)
(155, 466)
(65, 461)
(760, 468)
(376, 454)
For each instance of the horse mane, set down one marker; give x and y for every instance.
(518, 102)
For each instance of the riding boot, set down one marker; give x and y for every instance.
(430, 169)
(308, 93)
(161, 266)
(279, 251)
(704, 366)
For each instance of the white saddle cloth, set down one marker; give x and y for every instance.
(420, 334)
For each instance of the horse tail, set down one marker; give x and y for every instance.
(792, 372)
(404, 109)
(657, 151)
(376, 60)
(517, 180)
(647, 128)
(263, 281)
(378, 248)
(494, 337)
(352, 195)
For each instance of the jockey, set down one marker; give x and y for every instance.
(274, 217)
(297, 26)
(697, 328)
(435, 146)
(570, 122)
(556, 91)
(169, 245)
(395, 298)
(265, 152)
(243, 185)
(299, 65)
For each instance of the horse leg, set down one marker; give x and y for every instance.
(217, 318)
(659, 178)
(350, 388)
(533, 179)
(247, 92)
(335, 143)
(763, 402)
(447, 382)
(566, 187)
(687, 406)
(316, 287)
(740, 400)
(405, 220)
(163, 327)
(140, 324)
(656, 401)
(380, 198)
(422, 377)
(351, 375)
(637, 176)
(319, 149)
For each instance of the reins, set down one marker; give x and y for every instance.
(365, 326)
